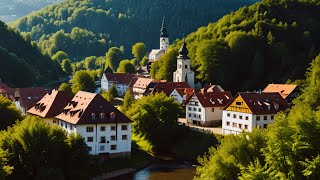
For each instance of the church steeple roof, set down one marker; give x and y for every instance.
(163, 30)
(183, 52)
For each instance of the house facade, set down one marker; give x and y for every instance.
(105, 129)
(205, 109)
(181, 94)
(251, 110)
(120, 80)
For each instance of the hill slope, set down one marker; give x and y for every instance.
(13, 9)
(90, 27)
(268, 42)
(21, 63)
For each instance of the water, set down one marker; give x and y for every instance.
(162, 171)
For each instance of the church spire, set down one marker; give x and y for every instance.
(183, 52)
(163, 30)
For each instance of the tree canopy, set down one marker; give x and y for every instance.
(113, 58)
(126, 66)
(82, 81)
(73, 26)
(9, 114)
(139, 50)
(268, 42)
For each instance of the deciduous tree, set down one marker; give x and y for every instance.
(82, 81)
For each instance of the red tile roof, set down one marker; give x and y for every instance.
(264, 103)
(213, 99)
(142, 83)
(51, 104)
(91, 108)
(119, 78)
(212, 88)
(284, 89)
(168, 87)
(28, 97)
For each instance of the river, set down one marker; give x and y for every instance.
(163, 171)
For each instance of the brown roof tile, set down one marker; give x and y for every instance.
(284, 89)
(119, 78)
(51, 104)
(142, 83)
(213, 99)
(28, 97)
(91, 108)
(168, 87)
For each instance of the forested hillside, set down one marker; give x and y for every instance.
(13, 9)
(90, 27)
(22, 63)
(268, 42)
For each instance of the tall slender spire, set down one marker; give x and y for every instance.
(163, 30)
(183, 52)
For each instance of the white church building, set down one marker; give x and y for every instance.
(155, 54)
(183, 72)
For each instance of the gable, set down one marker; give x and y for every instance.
(238, 105)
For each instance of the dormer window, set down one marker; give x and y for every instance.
(102, 115)
(113, 115)
(186, 66)
(93, 116)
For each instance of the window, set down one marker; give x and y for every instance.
(113, 128)
(61, 124)
(240, 117)
(238, 103)
(71, 127)
(124, 137)
(89, 129)
(265, 126)
(54, 121)
(247, 118)
(245, 126)
(189, 108)
(89, 139)
(113, 138)
(228, 123)
(212, 109)
(199, 109)
(102, 139)
(124, 127)
(186, 66)
(240, 126)
(101, 148)
(194, 109)
(272, 117)
(113, 147)
(194, 115)
(258, 118)
(89, 148)
(66, 125)
(234, 116)
(189, 115)
(200, 116)
(234, 124)
(102, 128)
(265, 117)
(228, 114)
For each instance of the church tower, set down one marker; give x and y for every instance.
(183, 72)
(164, 36)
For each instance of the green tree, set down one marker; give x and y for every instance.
(36, 149)
(144, 61)
(82, 81)
(8, 113)
(5, 170)
(165, 66)
(113, 58)
(113, 91)
(126, 66)
(66, 66)
(59, 56)
(89, 62)
(65, 87)
(127, 101)
(139, 50)
(155, 119)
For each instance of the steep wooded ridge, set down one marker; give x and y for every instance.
(89, 27)
(22, 63)
(268, 42)
(19, 8)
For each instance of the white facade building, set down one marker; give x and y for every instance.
(184, 72)
(251, 110)
(105, 129)
(205, 109)
(121, 81)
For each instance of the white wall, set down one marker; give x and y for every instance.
(215, 115)
(177, 97)
(96, 145)
(105, 85)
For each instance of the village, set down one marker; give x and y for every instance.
(107, 131)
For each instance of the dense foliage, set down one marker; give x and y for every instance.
(82, 81)
(76, 26)
(37, 150)
(21, 58)
(13, 9)
(288, 149)
(9, 114)
(268, 42)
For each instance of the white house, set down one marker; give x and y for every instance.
(184, 72)
(120, 80)
(251, 110)
(205, 109)
(105, 129)
(181, 94)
